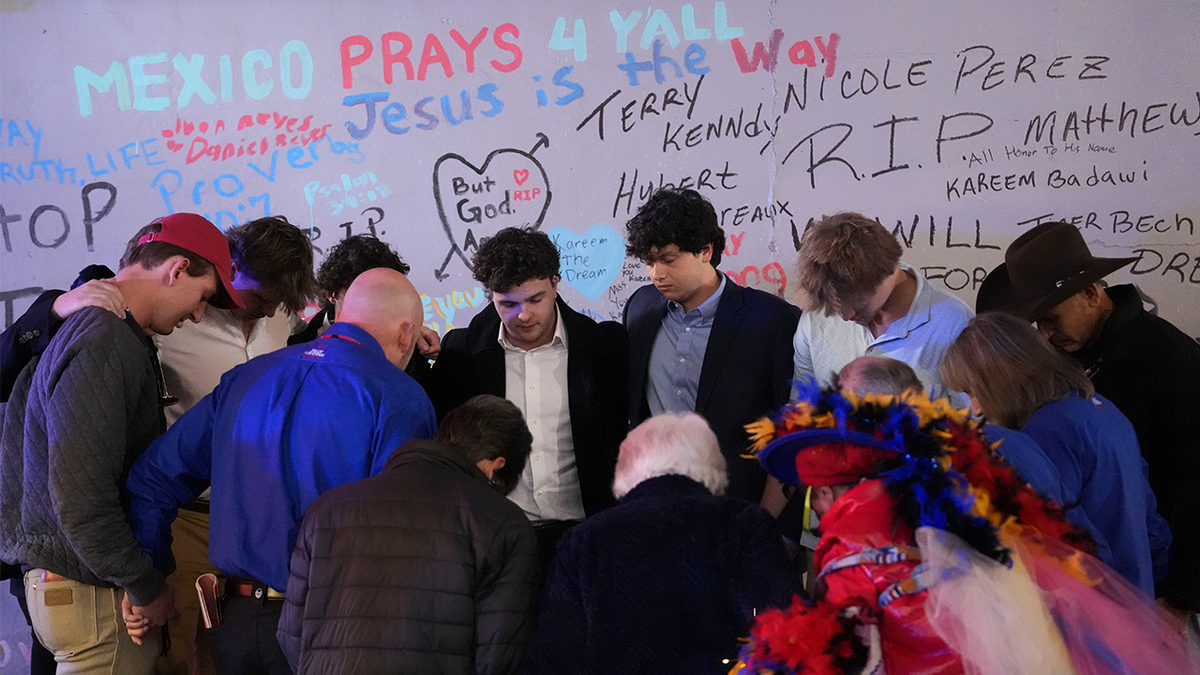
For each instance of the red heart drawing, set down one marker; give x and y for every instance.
(174, 147)
(521, 175)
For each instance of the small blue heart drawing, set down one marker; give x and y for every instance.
(590, 261)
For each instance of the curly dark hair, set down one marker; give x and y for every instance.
(675, 216)
(487, 427)
(279, 256)
(350, 258)
(512, 257)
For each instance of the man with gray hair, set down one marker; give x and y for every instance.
(887, 376)
(679, 545)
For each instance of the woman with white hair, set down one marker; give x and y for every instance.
(670, 577)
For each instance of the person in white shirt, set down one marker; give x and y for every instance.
(272, 271)
(565, 372)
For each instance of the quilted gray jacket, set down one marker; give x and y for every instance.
(421, 569)
(79, 417)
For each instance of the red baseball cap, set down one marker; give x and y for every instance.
(195, 234)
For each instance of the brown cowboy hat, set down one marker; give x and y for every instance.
(1042, 268)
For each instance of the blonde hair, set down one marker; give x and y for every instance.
(672, 443)
(1008, 368)
(842, 258)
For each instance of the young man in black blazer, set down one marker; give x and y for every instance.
(699, 342)
(566, 373)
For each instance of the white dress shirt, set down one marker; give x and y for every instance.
(536, 382)
(195, 356)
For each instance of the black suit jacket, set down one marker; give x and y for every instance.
(312, 329)
(747, 369)
(472, 362)
(30, 334)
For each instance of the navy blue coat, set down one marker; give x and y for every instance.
(666, 581)
(747, 370)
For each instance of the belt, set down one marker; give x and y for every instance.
(251, 589)
(197, 505)
(554, 525)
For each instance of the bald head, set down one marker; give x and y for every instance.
(384, 303)
(879, 375)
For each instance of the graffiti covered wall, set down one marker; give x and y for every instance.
(957, 124)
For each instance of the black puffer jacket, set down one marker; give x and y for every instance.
(421, 569)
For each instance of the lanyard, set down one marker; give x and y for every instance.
(342, 337)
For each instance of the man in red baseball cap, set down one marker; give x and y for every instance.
(187, 233)
(79, 415)
(196, 235)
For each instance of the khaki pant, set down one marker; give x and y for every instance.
(189, 545)
(83, 627)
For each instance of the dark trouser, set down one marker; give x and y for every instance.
(41, 660)
(548, 533)
(245, 643)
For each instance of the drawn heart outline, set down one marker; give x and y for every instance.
(479, 171)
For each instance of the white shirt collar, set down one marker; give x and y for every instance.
(708, 308)
(920, 312)
(559, 341)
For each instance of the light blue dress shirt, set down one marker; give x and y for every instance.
(678, 355)
(825, 344)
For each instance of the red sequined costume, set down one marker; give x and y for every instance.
(861, 532)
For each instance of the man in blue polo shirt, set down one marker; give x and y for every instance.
(272, 437)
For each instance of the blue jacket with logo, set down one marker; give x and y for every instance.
(1096, 451)
(277, 432)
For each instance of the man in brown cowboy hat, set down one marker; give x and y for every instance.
(1149, 368)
